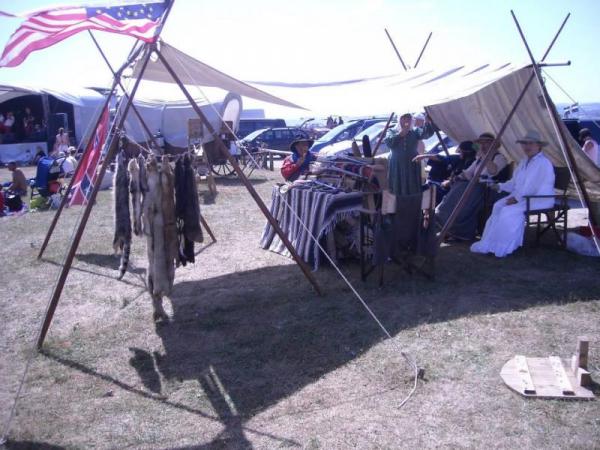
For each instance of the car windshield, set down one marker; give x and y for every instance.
(373, 131)
(254, 134)
(335, 131)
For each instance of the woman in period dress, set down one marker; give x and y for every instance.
(503, 232)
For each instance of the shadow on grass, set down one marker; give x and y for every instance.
(254, 338)
(30, 445)
(104, 260)
(139, 272)
(132, 389)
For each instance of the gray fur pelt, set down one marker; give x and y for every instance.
(122, 239)
(135, 190)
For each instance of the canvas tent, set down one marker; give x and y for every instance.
(463, 100)
(79, 104)
(171, 117)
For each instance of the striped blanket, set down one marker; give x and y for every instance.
(319, 210)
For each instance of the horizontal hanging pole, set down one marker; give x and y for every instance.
(560, 64)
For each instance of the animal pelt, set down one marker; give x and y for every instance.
(168, 210)
(187, 209)
(122, 238)
(136, 195)
(158, 219)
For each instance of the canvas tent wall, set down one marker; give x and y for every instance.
(80, 105)
(475, 109)
(171, 117)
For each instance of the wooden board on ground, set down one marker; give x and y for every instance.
(543, 378)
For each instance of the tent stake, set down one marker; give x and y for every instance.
(88, 209)
(568, 154)
(65, 197)
(489, 155)
(225, 153)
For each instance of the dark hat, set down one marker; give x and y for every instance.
(487, 136)
(310, 142)
(406, 115)
(467, 147)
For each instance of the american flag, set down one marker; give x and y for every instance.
(44, 28)
(85, 174)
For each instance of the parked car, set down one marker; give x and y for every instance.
(432, 144)
(344, 132)
(248, 126)
(345, 147)
(274, 138)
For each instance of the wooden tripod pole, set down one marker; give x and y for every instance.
(133, 107)
(88, 209)
(396, 50)
(489, 155)
(382, 136)
(225, 153)
(65, 198)
(568, 154)
(423, 50)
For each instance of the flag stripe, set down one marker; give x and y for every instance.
(45, 28)
(85, 176)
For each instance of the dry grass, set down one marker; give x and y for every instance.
(252, 358)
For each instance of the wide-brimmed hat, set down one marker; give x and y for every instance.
(532, 136)
(467, 147)
(310, 142)
(485, 137)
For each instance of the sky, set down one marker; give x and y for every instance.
(318, 40)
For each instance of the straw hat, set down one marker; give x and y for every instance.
(532, 136)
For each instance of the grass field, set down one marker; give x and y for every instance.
(252, 358)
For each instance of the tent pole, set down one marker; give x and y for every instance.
(568, 154)
(479, 169)
(65, 197)
(133, 107)
(396, 50)
(423, 50)
(225, 153)
(88, 207)
(382, 136)
(437, 133)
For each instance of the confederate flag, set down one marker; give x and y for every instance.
(85, 175)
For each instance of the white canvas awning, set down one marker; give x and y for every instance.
(193, 73)
(465, 114)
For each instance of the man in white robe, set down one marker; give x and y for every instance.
(504, 230)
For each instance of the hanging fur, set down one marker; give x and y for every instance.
(122, 239)
(187, 209)
(168, 210)
(136, 195)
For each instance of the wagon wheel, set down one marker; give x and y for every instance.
(223, 170)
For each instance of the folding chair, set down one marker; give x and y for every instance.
(555, 215)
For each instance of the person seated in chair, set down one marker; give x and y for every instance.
(19, 183)
(445, 168)
(298, 163)
(465, 225)
(503, 232)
